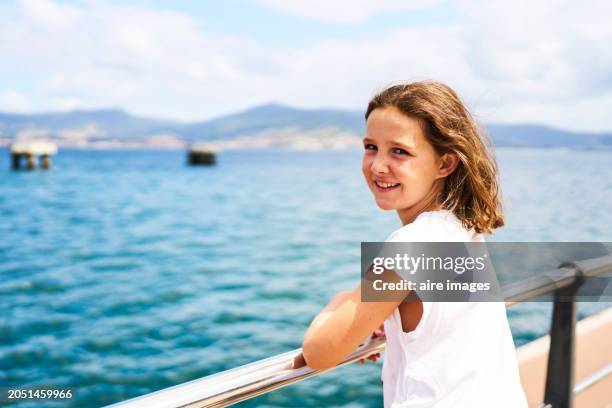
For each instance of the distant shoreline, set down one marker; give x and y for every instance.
(265, 126)
(144, 147)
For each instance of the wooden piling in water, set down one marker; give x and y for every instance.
(201, 155)
(31, 161)
(45, 161)
(31, 149)
(16, 161)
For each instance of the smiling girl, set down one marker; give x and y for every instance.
(426, 158)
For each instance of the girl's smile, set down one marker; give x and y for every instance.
(384, 187)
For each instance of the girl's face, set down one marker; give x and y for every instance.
(400, 166)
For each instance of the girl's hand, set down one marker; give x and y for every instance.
(377, 333)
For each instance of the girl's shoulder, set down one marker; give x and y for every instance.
(435, 226)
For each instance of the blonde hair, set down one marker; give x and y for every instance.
(472, 191)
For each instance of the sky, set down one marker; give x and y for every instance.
(545, 62)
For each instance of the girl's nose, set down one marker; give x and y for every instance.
(379, 165)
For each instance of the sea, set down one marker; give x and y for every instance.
(123, 272)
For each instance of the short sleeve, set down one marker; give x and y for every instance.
(434, 227)
(406, 233)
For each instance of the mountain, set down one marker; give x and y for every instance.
(101, 123)
(270, 119)
(543, 137)
(274, 116)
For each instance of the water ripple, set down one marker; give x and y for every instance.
(125, 272)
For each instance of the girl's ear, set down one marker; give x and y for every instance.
(448, 164)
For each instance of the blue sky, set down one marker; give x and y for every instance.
(515, 62)
(270, 26)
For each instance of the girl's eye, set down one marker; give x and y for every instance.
(397, 150)
(370, 146)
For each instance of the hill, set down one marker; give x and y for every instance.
(272, 120)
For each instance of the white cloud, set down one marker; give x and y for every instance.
(543, 62)
(48, 14)
(65, 103)
(14, 101)
(343, 11)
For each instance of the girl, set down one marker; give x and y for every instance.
(426, 158)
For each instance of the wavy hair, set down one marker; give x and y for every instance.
(472, 191)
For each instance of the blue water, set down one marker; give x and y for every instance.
(124, 272)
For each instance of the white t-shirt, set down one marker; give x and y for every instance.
(461, 354)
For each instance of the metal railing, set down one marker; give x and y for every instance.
(250, 380)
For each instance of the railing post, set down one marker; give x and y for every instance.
(560, 371)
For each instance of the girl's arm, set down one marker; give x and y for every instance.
(341, 326)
